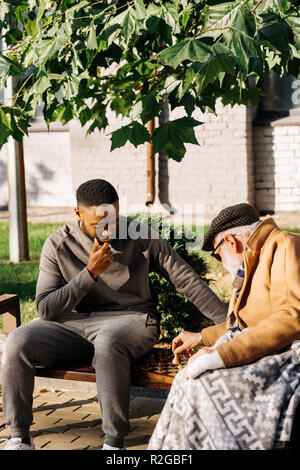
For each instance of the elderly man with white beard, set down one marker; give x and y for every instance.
(240, 390)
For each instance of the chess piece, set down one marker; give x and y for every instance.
(167, 355)
(176, 360)
(152, 360)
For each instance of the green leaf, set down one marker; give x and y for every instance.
(185, 18)
(19, 122)
(170, 15)
(236, 25)
(277, 34)
(84, 116)
(50, 107)
(92, 39)
(41, 85)
(121, 104)
(172, 136)
(5, 128)
(295, 52)
(189, 103)
(189, 49)
(293, 21)
(70, 88)
(190, 75)
(214, 68)
(279, 6)
(13, 35)
(157, 26)
(126, 21)
(128, 25)
(71, 11)
(41, 9)
(146, 109)
(133, 132)
(45, 49)
(4, 70)
(31, 26)
(108, 35)
(140, 9)
(7, 67)
(13, 122)
(272, 59)
(64, 112)
(99, 123)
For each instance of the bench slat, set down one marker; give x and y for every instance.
(140, 377)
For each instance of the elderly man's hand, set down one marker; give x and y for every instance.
(196, 356)
(185, 342)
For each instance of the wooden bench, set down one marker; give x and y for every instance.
(148, 371)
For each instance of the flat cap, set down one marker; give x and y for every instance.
(232, 216)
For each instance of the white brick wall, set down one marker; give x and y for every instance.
(277, 167)
(125, 168)
(220, 171)
(47, 160)
(217, 173)
(209, 174)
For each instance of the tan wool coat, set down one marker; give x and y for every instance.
(269, 301)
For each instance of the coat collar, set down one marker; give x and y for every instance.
(263, 231)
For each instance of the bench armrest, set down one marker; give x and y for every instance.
(10, 309)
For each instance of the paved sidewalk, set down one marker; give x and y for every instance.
(69, 420)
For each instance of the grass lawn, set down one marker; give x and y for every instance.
(21, 278)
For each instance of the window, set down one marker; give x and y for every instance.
(278, 100)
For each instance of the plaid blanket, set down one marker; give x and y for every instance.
(249, 407)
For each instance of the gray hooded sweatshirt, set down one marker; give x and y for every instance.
(65, 289)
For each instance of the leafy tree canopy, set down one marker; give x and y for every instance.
(78, 59)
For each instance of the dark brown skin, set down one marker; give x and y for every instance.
(100, 259)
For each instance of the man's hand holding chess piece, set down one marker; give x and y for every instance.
(185, 342)
(200, 361)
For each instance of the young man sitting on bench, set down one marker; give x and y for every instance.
(95, 305)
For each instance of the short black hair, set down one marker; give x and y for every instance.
(96, 192)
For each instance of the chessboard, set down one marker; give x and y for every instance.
(157, 368)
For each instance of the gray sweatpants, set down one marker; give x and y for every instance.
(110, 340)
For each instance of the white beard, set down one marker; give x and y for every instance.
(232, 270)
(232, 264)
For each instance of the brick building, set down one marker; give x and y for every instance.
(245, 154)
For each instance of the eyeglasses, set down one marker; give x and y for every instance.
(216, 255)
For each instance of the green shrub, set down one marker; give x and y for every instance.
(176, 312)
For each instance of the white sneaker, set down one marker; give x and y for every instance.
(107, 447)
(15, 443)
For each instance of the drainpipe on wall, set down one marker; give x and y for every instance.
(150, 172)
